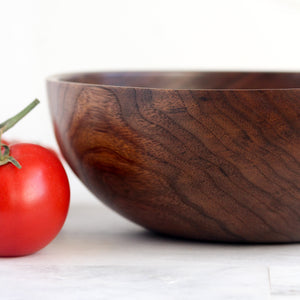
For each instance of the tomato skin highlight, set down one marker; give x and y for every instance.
(34, 200)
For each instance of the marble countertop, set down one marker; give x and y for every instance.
(100, 255)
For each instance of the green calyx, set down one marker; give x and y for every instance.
(5, 158)
(5, 151)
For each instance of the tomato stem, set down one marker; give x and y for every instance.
(5, 155)
(12, 121)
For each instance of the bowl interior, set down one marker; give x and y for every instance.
(190, 80)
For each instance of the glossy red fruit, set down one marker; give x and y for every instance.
(34, 200)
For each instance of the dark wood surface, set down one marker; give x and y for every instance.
(208, 156)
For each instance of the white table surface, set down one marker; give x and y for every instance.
(100, 255)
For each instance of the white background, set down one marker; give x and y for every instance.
(40, 38)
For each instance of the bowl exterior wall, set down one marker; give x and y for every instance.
(219, 165)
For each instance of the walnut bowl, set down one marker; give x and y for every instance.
(212, 156)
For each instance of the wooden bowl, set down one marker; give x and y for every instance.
(209, 156)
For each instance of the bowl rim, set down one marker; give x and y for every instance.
(63, 78)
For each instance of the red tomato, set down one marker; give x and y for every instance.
(34, 200)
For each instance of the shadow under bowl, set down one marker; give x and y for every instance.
(212, 156)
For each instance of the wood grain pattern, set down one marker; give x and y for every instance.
(209, 156)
